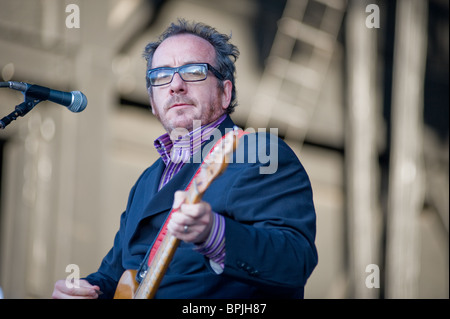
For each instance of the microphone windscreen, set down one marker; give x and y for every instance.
(79, 102)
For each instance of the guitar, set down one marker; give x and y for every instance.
(214, 165)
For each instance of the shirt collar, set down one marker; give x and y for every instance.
(183, 148)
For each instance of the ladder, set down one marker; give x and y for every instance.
(297, 66)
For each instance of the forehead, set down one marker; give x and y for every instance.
(181, 49)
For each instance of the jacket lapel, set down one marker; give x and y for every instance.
(162, 200)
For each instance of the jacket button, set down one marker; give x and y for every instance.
(254, 273)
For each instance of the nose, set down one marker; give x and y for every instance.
(177, 85)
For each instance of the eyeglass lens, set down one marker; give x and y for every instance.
(189, 73)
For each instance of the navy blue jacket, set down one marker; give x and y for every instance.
(269, 235)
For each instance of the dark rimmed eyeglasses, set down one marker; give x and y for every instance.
(192, 72)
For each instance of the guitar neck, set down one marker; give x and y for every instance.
(160, 262)
(150, 283)
(214, 164)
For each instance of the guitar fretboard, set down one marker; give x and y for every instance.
(214, 164)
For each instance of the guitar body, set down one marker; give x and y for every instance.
(127, 285)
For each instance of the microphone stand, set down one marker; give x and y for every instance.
(20, 110)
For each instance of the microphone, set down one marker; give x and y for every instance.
(75, 101)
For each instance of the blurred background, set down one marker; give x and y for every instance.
(359, 89)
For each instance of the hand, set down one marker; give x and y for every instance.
(197, 217)
(85, 291)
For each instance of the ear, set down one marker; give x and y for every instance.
(150, 97)
(152, 108)
(226, 95)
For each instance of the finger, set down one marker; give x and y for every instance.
(85, 284)
(61, 295)
(177, 222)
(80, 289)
(196, 211)
(191, 215)
(179, 198)
(196, 231)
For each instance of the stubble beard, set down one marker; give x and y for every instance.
(185, 119)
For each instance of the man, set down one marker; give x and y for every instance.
(252, 235)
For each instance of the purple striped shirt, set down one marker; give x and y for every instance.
(175, 153)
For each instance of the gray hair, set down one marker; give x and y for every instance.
(226, 53)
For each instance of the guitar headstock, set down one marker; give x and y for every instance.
(217, 161)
